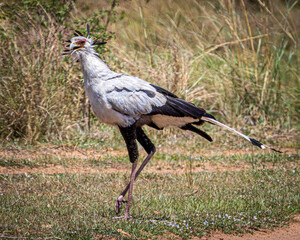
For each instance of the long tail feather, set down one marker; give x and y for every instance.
(253, 141)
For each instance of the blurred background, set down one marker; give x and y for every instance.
(239, 60)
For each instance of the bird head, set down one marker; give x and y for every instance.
(79, 44)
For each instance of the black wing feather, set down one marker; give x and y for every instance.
(164, 91)
(177, 107)
(198, 131)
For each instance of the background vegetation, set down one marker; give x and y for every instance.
(237, 59)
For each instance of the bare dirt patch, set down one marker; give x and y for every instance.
(75, 152)
(61, 152)
(161, 167)
(119, 168)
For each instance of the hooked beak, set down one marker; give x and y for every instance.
(72, 48)
(72, 45)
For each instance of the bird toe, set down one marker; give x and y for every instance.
(120, 200)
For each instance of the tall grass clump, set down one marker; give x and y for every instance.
(41, 93)
(35, 93)
(237, 59)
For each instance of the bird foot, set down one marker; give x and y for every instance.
(120, 200)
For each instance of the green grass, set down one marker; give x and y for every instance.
(82, 206)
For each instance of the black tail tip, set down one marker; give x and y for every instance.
(260, 145)
(256, 143)
(275, 150)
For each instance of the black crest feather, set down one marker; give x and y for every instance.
(77, 33)
(100, 43)
(88, 30)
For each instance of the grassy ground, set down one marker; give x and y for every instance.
(237, 59)
(191, 199)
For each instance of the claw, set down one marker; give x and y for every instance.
(120, 200)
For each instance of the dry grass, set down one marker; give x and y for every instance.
(236, 59)
(37, 87)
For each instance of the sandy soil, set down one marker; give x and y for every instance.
(74, 152)
(71, 152)
(121, 168)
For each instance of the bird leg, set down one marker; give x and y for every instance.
(150, 149)
(132, 178)
(130, 135)
(130, 187)
(120, 199)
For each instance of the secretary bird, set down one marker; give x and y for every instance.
(129, 103)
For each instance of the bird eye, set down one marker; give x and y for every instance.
(81, 42)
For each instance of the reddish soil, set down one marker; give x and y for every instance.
(75, 153)
(59, 151)
(120, 168)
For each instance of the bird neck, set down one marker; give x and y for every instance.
(92, 66)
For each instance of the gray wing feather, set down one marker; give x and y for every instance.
(132, 96)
